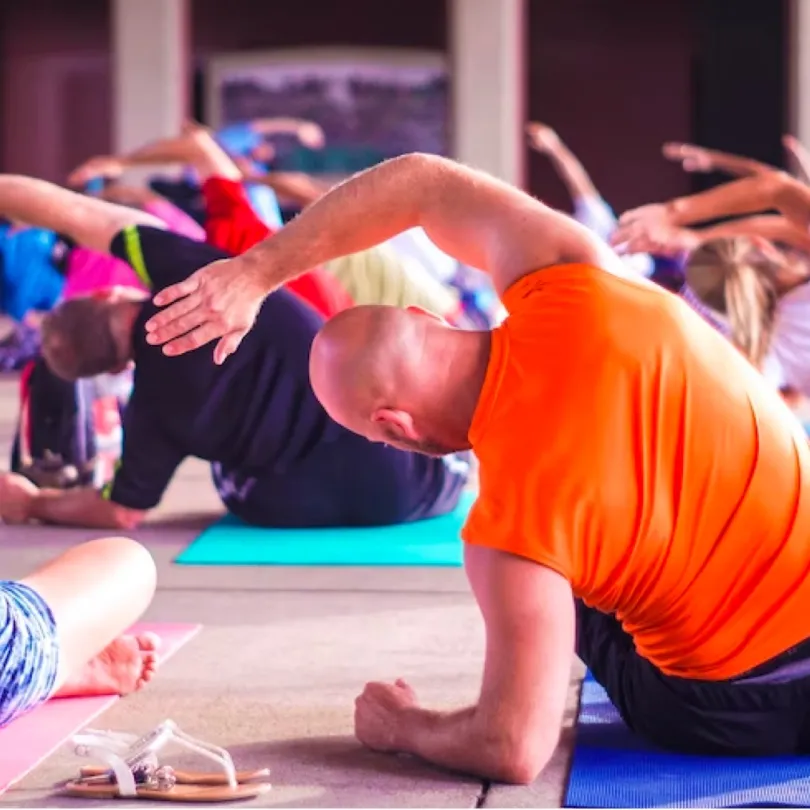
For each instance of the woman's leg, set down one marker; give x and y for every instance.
(95, 591)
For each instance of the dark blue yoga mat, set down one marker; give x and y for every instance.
(612, 767)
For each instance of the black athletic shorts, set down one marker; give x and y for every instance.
(764, 712)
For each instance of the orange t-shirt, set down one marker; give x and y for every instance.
(628, 446)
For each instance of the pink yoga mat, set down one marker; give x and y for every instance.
(36, 735)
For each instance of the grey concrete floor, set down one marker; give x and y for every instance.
(282, 655)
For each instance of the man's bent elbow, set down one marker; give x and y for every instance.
(520, 762)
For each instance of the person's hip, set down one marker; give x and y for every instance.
(345, 483)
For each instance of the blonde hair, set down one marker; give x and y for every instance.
(734, 277)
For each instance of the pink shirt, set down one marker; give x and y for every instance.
(175, 219)
(89, 271)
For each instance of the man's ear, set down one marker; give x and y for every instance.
(399, 423)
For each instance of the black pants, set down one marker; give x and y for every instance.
(764, 712)
(351, 482)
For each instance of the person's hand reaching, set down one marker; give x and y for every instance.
(106, 166)
(311, 135)
(650, 229)
(379, 712)
(17, 495)
(692, 158)
(542, 138)
(220, 300)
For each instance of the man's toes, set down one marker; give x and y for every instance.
(148, 641)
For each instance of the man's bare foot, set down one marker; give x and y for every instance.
(125, 666)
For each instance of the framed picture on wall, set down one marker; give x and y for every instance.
(372, 104)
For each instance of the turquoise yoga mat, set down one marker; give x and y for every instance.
(435, 542)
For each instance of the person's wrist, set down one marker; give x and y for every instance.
(677, 212)
(31, 509)
(257, 266)
(412, 724)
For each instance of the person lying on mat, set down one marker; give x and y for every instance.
(278, 459)
(643, 492)
(62, 627)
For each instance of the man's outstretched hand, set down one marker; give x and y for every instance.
(220, 300)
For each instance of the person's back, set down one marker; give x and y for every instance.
(279, 459)
(625, 444)
(257, 408)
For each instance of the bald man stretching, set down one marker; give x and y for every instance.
(645, 498)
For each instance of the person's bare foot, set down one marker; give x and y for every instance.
(124, 666)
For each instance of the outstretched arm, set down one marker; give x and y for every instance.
(773, 227)
(296, 187)
(698, 159)
(473, 217)
(307, 132)
(511, 733)
(88, 221)
(752, 194)
(568, 166)
(660, 237)
(195, 147)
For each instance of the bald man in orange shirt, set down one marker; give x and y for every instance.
(645, 498)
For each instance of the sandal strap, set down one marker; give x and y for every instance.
(121, 770)
(127, 751)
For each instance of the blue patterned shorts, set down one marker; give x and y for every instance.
(29, 650)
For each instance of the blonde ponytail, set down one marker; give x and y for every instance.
(735, 278)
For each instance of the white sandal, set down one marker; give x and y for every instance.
(134, 770)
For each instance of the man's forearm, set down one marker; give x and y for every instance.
(769, 226)
(448, 200)
(75, 507)
(90, 222)
(459, 742)
(737, 165)
(35, 202)
(165, 151)
(747, 196)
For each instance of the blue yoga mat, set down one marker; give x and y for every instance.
(435, 541)
(612, 767)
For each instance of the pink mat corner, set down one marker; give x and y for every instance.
(36, 735)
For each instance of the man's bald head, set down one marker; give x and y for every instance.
(357, 357)
(379, 371)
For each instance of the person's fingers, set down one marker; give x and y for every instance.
(672, 150)
(161, 320)
(228, 346)
(192, 340)
(192, 319)
(179, 290)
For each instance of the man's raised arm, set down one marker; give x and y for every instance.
(88, 221)
(470, 215)
(761, 192)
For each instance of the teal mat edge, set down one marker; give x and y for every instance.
(450, 557)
